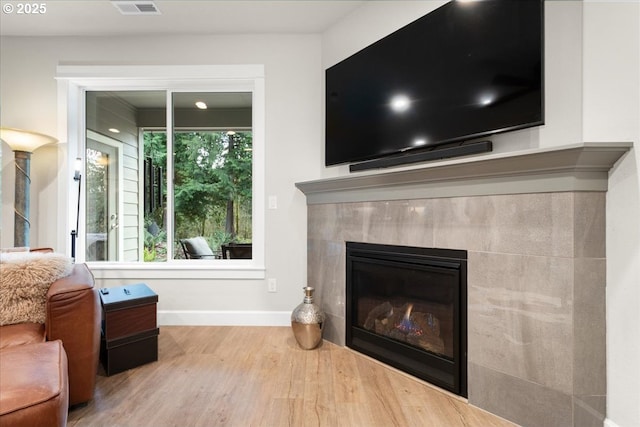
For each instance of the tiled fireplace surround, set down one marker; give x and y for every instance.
(534, 227)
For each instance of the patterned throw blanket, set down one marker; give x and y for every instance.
(25, 278)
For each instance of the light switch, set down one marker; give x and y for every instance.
(273, 202)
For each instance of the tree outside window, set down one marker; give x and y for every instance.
(212, 189)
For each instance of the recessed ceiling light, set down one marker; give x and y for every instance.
(114, 130)
(201, 105)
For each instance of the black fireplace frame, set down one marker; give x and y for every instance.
(450, 375)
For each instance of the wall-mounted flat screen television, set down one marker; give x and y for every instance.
(466, 70)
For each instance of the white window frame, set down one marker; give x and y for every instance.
(75, 81)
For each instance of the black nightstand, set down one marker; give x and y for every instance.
(129, 327)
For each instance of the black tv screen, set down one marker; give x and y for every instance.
(463, 71)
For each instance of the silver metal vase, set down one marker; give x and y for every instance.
(306, 321)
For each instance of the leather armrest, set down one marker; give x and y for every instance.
(74, 316)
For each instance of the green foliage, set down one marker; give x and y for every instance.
(156, 217)
(149, 254)
(155, 146)
(219, 238)
(154, 244)
(212, 170)
(96, 176)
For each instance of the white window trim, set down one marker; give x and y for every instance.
(74, 81)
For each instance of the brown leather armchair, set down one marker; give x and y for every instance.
(73, 319)
(74, 316)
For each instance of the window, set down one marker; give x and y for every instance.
(141, 206)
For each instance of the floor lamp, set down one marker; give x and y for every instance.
(23, 143)
(77, 176)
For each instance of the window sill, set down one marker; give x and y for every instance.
(231, 269)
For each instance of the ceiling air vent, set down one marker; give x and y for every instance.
(135, 7)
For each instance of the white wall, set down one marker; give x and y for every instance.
(293, 134)
(611, 112)
(592, 91)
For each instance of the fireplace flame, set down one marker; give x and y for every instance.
(407, 325)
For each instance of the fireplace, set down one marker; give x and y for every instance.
(533, 226)
(406, 306)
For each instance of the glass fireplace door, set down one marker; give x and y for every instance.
(406, 306)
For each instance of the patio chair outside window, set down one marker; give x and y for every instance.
(197, 248)
(237, 251)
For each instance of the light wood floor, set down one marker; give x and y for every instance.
(257, 376)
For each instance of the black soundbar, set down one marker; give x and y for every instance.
(444, 152)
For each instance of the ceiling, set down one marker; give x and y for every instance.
(102, 18)
(158, 99)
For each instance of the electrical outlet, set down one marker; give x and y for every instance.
(271, 285)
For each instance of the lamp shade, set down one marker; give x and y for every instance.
(25, 140)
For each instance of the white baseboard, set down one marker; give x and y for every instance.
(609, 423)
(223, 318)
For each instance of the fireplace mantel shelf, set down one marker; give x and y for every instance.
(579, 167)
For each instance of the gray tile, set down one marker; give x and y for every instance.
(334, 329)
(314, 261)
(528, 224)
(522, 402)
(590, 224)
(319, 221)
(418, 230)
(463, 222)
(589, 411)
(327, 276)
(589, 327)
(520, 317)
(351, 222)
(400, 222)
